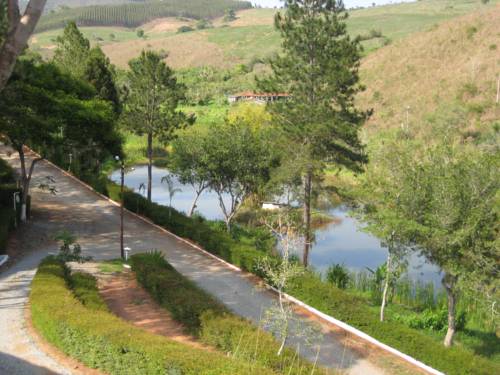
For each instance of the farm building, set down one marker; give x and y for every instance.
(250, 96)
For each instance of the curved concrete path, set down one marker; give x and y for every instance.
(96, 222)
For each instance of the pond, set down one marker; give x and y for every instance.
(342, 241)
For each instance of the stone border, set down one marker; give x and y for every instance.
(312, 310)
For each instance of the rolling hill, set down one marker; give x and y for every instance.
(451, 70)
(135, 13)
(252, 35)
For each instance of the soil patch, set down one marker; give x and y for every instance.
(128, 300)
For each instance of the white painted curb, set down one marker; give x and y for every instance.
(292, 299)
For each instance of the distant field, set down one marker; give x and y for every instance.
(252, 34)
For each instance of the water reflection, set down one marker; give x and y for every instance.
(342, 241)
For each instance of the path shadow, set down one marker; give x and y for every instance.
(11, 365)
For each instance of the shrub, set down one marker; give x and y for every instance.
(101, 340)
(184, 29)
(434, 320)
(84, 287)
(338, 275)
(208, 319)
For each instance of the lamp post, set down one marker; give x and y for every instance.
(122, 181)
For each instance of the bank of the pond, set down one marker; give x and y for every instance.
(246, 251)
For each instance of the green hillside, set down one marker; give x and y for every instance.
(136, 13)
(449, 71)
(253, 36)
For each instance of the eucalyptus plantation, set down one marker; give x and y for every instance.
(318, 68)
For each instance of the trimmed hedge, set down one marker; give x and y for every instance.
(209, 235)
(354, 311)
(101, 340)
(84, 287)
(208, 319)
(313, 291)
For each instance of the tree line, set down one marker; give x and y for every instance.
(136, 14)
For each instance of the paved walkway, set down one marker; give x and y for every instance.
(96, 222)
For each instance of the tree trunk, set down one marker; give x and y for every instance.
(386, 287)
(20, 30)
(449, 285)
(307, 217)
(193, 206)
(25, 181)
(150, 164)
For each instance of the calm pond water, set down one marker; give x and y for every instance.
(340, 242)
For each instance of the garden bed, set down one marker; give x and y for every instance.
(86, 331)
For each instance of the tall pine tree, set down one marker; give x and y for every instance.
(318, 68)
(151, 106)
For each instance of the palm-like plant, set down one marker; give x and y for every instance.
(172, 190)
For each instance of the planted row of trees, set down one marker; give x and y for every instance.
(136, 14)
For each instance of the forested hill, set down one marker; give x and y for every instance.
(135, 13)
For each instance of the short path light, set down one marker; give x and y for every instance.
(127, 252)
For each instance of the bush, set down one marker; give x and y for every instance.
(84, 287)
(338, 275)
(208, 319)
(101, 340)
(434, 320)
(185, 301)
(184, 29)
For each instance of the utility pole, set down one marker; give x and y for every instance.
(122, 183)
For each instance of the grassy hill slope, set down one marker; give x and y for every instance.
(453, 67)
(252, 35)
(139, 12)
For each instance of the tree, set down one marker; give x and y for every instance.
(280, 318)
(50, 112)
(19, 29)
(72, 51)
(73, 55)
(443, 199)
(229, 15)
(188, 164)
(238, 162)
(100, 73)
(319, 70)
(151, 106)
